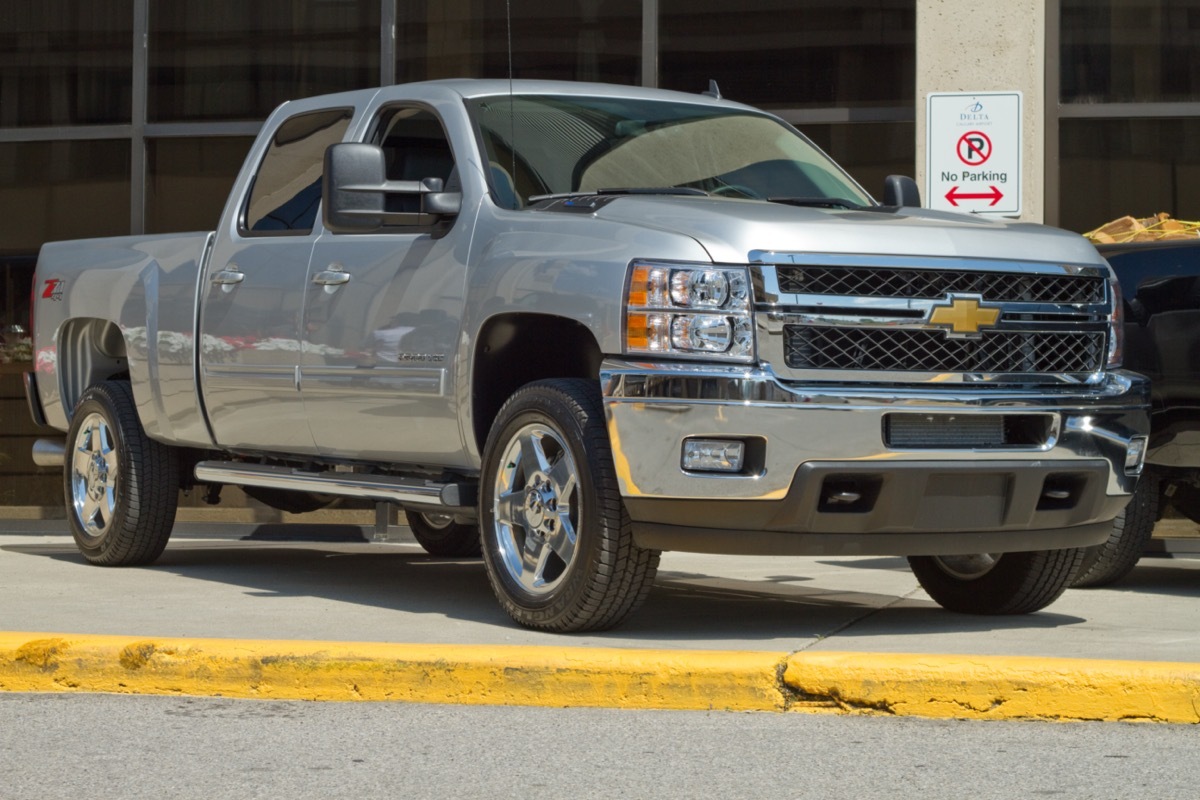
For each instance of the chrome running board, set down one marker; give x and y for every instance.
(402, 491)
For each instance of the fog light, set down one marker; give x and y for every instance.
(1135, 454)
(713, 455)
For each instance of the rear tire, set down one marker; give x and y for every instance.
(441, 536)
(1001, 583)
(1109, 562)
(121, 486)
(557, 540)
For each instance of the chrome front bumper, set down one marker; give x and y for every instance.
(807, 443)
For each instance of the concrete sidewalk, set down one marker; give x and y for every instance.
(339, 617)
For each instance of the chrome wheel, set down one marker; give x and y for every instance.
(95, 471)
(438, 522)
(967, 568)
(536, 509)
(120, 486)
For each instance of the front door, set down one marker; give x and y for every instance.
(382, 315)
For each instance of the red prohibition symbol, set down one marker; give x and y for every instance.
(974, 148)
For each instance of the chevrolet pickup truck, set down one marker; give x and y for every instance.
(569, 326)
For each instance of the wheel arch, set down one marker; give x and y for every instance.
(89, 351)
(519, 348)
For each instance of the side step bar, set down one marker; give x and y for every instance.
(348, 484)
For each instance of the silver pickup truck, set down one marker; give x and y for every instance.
(570, 326)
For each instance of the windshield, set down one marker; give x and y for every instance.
(544, 145)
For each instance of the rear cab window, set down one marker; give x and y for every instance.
(286, 194)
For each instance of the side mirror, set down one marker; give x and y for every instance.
(901, 190)
(355, 192)
(352, 193)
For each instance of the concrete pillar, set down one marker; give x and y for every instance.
(968, 46)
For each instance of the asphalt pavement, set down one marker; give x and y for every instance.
(325, 612)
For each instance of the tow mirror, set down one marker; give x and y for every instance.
(901, 190)
(352, 193)
(355, 192)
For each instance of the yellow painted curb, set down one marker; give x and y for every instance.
(940, 686)
(472, 675)
(995, 687)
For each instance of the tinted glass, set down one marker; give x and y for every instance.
(584, 144)
(1124, 51)
(188, 181)
(287, 186)
(62, 190)
(65, 63)
(582, 41)
(780, 53)
(234, 59)
(1135, 167)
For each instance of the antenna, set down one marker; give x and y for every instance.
(512, 111)
(714, 91)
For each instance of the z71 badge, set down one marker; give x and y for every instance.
(52, 289)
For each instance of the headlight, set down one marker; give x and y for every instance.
(1116, 325)
(690, 311)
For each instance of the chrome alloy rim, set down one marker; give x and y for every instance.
(94, 475)
(970, 567)
(439, 522)
(536, 509)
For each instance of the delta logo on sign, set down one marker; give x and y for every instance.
(973, 153)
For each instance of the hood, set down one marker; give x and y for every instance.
(730, 229)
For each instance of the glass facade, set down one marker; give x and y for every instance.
(1130, 51)
(188, 178)
(1111, 168)
(62, 190)
(232, 59)
(585, 40)
(1129, 105)
(63, 62)
(784, 54)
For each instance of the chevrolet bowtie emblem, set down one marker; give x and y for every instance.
(964, 316)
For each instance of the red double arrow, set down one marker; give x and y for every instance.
(954, 195)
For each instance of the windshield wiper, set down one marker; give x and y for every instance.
(659, 190)
(817, 202)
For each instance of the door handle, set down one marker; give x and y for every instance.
(229, 276)
(333, 276)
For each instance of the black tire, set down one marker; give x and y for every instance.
(121, 486)
(441, 536)
(291, 502)
(547, 476)
(1003, 583)
(1109, 562)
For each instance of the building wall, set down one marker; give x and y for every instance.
(965, 46)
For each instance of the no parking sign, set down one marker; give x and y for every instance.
(973, 152)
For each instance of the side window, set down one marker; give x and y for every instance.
(415, 147)
(287, 188)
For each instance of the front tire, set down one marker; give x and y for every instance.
(121, 487)
(557, 540)
(1114, 559)
(441, 536)
(1000, 583)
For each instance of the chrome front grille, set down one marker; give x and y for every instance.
(932, 284)
(812, 347)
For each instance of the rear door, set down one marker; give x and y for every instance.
(253, 293)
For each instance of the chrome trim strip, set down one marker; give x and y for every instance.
(937, 263)
(688, 384)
